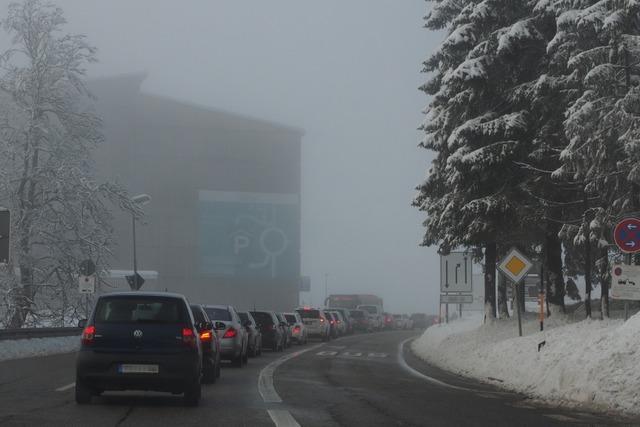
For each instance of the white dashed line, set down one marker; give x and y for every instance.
(327, 353)
(282, 418)
(66, 387)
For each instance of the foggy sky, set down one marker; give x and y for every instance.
(347, 72)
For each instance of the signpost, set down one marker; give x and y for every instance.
(87, 284)
(515, 266)
(456, 280)
(456, 299)
(135, 281)
(626, 235)
(625, 282)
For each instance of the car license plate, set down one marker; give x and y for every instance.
(138, 369)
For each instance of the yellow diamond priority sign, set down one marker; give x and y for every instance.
(515, 265)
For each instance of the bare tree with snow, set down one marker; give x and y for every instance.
(60, 214)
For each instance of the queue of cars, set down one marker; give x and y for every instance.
(158, 341)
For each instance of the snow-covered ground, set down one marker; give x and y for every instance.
(590, 362)
(16, 349)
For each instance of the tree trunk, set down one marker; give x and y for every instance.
(490, 281)
(553, 251)
(587, 258)
(23, 299)
(503, 308)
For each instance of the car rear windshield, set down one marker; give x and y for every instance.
(262, 317)
(371, 309)
(291, 318)
(218, 313)
(357, 314)
(141, 309)
(309, 314)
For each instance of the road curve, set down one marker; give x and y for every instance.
(362, 380)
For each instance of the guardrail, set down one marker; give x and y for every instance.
(25, 333)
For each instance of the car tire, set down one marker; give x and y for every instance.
(83, 393)
(276, 347)
(192, 394)
(245, 358)
(209, 373)
(218, 367)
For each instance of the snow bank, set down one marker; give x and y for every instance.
(588, 362)
(17, 349)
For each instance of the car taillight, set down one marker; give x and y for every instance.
(189, 337)
(205, 336)
(88, 334)
(332, 322)
(321, 320)
(296, 329)
(230, 333)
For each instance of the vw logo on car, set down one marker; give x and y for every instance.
(137, 333)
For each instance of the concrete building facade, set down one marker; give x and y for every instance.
(223, 224)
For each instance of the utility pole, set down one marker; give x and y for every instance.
(135, 260)
(326, 293)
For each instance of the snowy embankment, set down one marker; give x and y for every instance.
(591, 362)
(17, 349)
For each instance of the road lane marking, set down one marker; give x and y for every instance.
(403, 364)
(563, 418)
(351, 354)
(265, 380)
(282, 418)
(66, 387)
(381, 355)
(327, 353)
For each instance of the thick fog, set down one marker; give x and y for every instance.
(347, 72)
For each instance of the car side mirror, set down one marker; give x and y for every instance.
(219, 325)
(82, 323)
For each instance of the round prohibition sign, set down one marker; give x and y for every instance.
(627, 235)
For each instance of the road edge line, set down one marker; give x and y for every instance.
(282, 418)
(265, 379)
(404, 365)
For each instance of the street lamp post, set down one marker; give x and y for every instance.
(140, 199)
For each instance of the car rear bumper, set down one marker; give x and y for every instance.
(100, 371)
(230, 348)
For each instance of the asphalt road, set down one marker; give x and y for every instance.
(360, 380)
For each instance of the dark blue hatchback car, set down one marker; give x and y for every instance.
(140, 341)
